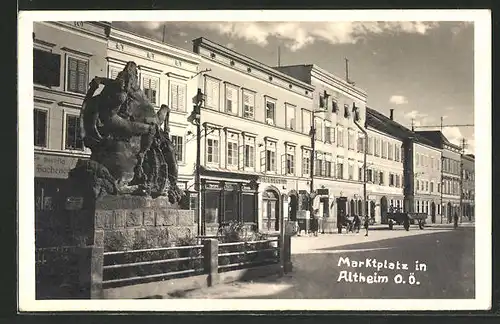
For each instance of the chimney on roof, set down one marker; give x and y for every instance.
(392, 114)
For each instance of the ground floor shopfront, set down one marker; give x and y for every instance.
(430, 205)
(450, 206)
(51, 173)
(468, 209)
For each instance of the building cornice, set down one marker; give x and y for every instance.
(148, 44)
(338, 83)
(82, 31)
(205, 43)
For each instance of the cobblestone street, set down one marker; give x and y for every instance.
(448, 256)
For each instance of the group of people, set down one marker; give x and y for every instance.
(355, 224)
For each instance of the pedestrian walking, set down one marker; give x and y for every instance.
(314, 222)
(455, 220)
(357, 223)
(366, 225)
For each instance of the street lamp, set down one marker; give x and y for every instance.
(357, 117)
(195, 119)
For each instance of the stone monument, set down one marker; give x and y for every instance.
(128, 188)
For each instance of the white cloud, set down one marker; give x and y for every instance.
(449, 108)
(453, 134)
(398, 100)
(297, 35)
(230, 45)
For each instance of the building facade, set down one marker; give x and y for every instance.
(384, 167)
(167, 75)
(450, 173)
(255, 144)
(427, 180)
(338, 147)
(66, 55)
(468, 187)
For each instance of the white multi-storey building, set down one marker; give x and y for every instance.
(338, 145)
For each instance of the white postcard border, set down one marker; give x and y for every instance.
(482, 101)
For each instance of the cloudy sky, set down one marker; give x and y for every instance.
(424, 70)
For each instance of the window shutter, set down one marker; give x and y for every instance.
(241, 156)
(174, 96)
(263, 161)
(181, 97)
(72, 74)
(82, 76)
(283, 163)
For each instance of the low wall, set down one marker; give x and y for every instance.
(127, 219)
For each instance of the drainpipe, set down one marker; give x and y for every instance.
(356, 110)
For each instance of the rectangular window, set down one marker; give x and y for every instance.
(290, 163)
(232, 153)
(418, 185)
(178, 97)
(73, 134)
(350, 140)
(432, 186)
(332, 134)
(150, 88)
(323, 103)
(270, 161)
(340, 170)
(398, 182)
(391, 179)
(306, 121)
(290, 116)
(248, 104)
(377, 147)
(361, 146)
(178, 142)
(328, 169)
(384, 149)
(78, 75)
(231, 100)
(360, 174)
(369, 175)
(328, 134)
(212, 89)
(270, 112)
(249, 156)
(212, 150)
(397, 153)
(46, 68)
(318, 167)
(390, 154)
(381, 178)
(318, 125)
(306, 162)
(340, 137)
(370, 145)
(351, 171)
(40, 127)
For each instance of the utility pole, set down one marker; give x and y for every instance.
(461, 176)
(356, 117)
(279, 56)
(441, 184)
(412, 124)
(163, 35)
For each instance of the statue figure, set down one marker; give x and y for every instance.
(130, 152)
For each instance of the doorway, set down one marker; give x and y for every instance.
(372, 209)
(292, 207)
(383, 210)
(341, 210)
(433, 212)
(270, 210)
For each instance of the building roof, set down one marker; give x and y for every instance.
(204, 42)
(437, 138)
(384, 124)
